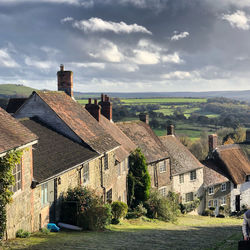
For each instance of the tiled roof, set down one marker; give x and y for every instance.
(233, 161)
(78, 119)
(144, 137)
(54, 153)
(213, 174)
(127, 146)
(182, 160)
(14, 104)
(12, 133)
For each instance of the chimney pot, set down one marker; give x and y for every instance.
(95, 101)
(62, 67)
(106, 107)
(65, 81)
(170, 130)
(89, 100)
(144, 117)
(212, 142)
(248, 135)
(102, 97)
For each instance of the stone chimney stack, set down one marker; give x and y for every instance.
(65, 81)
(212, 142)
(248, 135)
(94, 109)
(170, 130)
(144, 117)
(106, 107)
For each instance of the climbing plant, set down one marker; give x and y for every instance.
(7, 164)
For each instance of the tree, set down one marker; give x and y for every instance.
(138, 179)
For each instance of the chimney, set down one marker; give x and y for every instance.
(106, 107)
(212, 142)
(144, 117)
(248, 135)
(170, 130)
(94, 109)
(65, 81)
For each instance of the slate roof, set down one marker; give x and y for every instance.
(54, 153)
(213, 174)
(14, 104)
(144, 138)
(78, 119)
(233, 161)
(12, 133)
(127, 146)
(182, 160)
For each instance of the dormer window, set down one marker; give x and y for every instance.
(247, 178)
(211, 190)
(223, 187)
(162, 166)
(192, 175)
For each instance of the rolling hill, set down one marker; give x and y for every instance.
(14, 90)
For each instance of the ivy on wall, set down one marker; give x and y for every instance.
(7, 164)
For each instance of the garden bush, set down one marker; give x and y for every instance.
(189, 206)
(137, 212)
(22, 234)
(119, 209)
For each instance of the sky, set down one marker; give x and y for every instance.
(127, 45)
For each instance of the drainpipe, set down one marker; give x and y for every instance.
(104, 189)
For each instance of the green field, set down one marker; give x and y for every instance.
(14, 89)
(133, 101)
(190, 232)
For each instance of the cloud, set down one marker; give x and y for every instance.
(238, 20)
(67, 19)
(181, 75)
(179, 36)
(108, 51)
(74, 2)
(145, 57)
(88, 65)
(42, 65)
(96, 24)
(172, 58)
(6, 60)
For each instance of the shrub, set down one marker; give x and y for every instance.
(119, 209)
(206, 212)
(22, 234)
(82, 207)
(45, 230)
(137, 212)
(163, 208)
(220, 216)
(190, 206)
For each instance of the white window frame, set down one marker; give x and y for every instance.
(210, 203)
(181, 178)
(17, 173)
(189, 197)
(106, 161)
(193, 175)
(85, 173)
(223, 200)
(163, 191)
(210, 190)
(215, 203)
(223, 187)
(44, 194)
(162, 167)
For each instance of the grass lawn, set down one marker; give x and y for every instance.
(190, 232)
(162, 100)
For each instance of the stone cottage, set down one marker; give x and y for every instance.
(20, 212)
(154, 151)
(186, 170)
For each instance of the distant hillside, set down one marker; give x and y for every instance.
(243, 95)
(14, 90)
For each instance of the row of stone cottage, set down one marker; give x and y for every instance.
(65, 145)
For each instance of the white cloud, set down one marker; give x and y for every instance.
(74, 2)
(96, 24)
(179, 36)
(145, 57)
(150, 46)
(6, 60)
(67, 19)
(108, 51)
(172, 58)
(42, 65)
(126, 67)
(181, 75)
(88, 65)
(238, 20)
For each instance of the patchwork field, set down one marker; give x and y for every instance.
(190, 232)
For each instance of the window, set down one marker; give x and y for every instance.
(162, 167)
(215, 203)
(247, 178)
(106, 161)
(163, 191)
(17, 173)
(181, 178)
(223, 200)
(85, 173)
(192, 175)
(44, 194)
(109, 196)
(211, 190)
(189, 196)
(210, 203)
(223, 187)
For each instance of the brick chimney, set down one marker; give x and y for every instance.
(65, 81)
(106, 107)
(248, 135)
(144, 117)
(212, 142)
(94, 109)
(170, 130)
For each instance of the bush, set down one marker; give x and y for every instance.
(220, 216)
(206, 212)
(22, 234)
(138, 212)
(82, 207)
(119, 209)
(163, 208)
(190, 206)
(45, 230)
